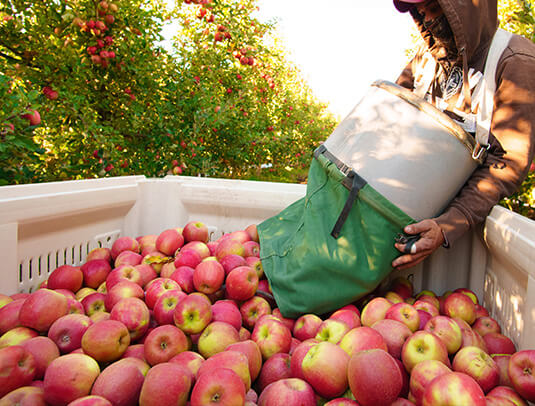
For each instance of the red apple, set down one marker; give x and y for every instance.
(163, 343)
(447, 330)
(292, 391)
(461, 306)
(124, 244)
(521, 371)
(479, 365)
(195, 231)
(254, 262)
(325, 368)
(252, 232)
(499, 344)
(362, 338)
(504, 394)
(232, 261)
(33, 117)
(17, 336)
(274, 369)
(17, 368)
(290, 323)
(95, 272)
(124, 273)
(423, 345)
(184, 277)
(374, 311)
(189, 360)
(253, 309)
(332, 330)
(404, 313)
(251, 350)
(377, 385)
(169, 241)
(90, 400)
(25, 396)
(69, 377)
(99, 253)
(94, 303)
(134, 314)
(402, 286)
(502, 360)
(216, 337)
(128, 258)
(208, 277)
(272, 336)
(67, 331)
(44, 351)
(165, 384)
(156, 288)
(251, 249)
(427, 306)
(298, 355)
(241, 283)
(165, 306)
(422, 374)
(106, 340)
(66, 277)
(193, 313)
(453, 388)
(306, 326)
(471, 294)
(228, 246)
(234, 360)
(228, 312)
(394, 334)
(201, 248)
(221, 386)
(42, 308)
(486, 324)
(187, 257)
(9, 315)
(122, 290)
(348, 316)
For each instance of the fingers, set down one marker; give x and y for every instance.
(421, 227)
(410, 260)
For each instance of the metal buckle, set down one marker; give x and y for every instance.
(478, 150)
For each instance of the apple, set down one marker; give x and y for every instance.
(377, 385)
(66, 277)
(453, 388)
(93, 303)
(290, 391)
(193, 313)
(499, 344)
(208, 277)
(128, 258)
(106, 340)
(165, 384)
(44, 351)
(404, 313)
(486, 324)
(232, 261)
(95, 272)
(502, 360)
(424, 318)
(447, 330)
(167, 270)
(17, 336)
(216, 337)
(183, 275)
(123, 273)
(189, 360)
(274, 369)
(402, 286)
(471, 294)
(187, 257)
(169, 241)
(374, 310)
(251, 249)
(164, 308)
(17, 368)
(227, 246)
(348, 316)
(422, 374)
(461, 306)
(155, 259)
(33, 117)
(69, 377)
(201, 248)
(479, 365)
(393, 297)
(423, 345)
(332, 330)
(124, 244)
(99, 253)
(343, 402)
(241, 283)
(272, 336)
(253, 309)
(9, 315)
(228, 312)
(298, 355)
(99, 316)
(362, 338)
(156, 288)
(234, 360)
(120, 383)
(325, 368)
(163, 343)
(433, 300)
(196, 231)
(221, 386)
(67, 331)
(147, 241)
(469, 336)
(252, 232)
(481, 311)
(521, 369)
(426, 306)
(134, 314)
(306, 326)
(25, 395)
(42, 308)
(251, 350)
(506, 393)
(122, 290)
(394, 334)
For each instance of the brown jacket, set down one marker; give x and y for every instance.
(512, 134)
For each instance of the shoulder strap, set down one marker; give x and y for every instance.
(483, 97)
(424, 74)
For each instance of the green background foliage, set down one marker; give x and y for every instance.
(223, 101)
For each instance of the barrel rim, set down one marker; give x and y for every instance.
(466, 139)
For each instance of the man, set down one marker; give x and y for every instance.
(458, 35)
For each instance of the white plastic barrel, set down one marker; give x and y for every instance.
(408, 150)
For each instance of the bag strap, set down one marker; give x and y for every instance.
(483, 98)
(357, 183)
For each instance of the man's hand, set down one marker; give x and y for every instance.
(431, 238)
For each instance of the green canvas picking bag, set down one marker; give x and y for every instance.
(334, 245)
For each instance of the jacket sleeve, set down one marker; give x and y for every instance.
(511, 151)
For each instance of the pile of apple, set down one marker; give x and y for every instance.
(177, 319)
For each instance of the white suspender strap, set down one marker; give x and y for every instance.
(483, 96)
(425, 73)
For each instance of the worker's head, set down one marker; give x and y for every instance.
(405, 5)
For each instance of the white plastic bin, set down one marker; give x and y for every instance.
(46, 225)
